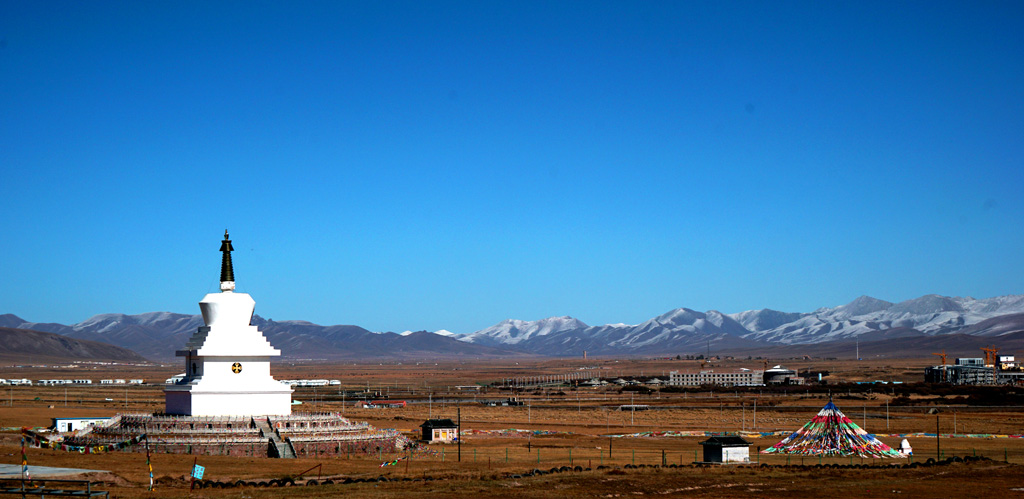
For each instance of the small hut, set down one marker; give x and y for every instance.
(439, 430)
(726, 449)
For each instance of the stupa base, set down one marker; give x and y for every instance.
(228, 403)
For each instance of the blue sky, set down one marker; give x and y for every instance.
(429, 165)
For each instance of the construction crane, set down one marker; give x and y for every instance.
(942, 356)
(990, 354)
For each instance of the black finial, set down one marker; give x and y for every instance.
(227, 271)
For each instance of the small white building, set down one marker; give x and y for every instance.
(64, 425)
(726, 449)
(440, 430)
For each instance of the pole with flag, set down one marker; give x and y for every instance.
(149, 465)
(24, 460)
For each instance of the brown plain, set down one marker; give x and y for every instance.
(572, 426)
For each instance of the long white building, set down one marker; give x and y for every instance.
(725, 377)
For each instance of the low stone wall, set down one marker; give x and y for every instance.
(232, 449)
(319, 448)
(310, 435)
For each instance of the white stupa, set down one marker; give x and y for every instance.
(227, 361)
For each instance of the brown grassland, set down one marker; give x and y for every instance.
(570, 428)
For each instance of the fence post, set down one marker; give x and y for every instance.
(538, 456)
(634, 457)
(506, 455)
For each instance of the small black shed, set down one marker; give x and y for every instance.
(726, 449)
(439, 430)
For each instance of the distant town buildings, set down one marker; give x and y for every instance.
(974, 371)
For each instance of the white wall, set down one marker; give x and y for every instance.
(735, 454)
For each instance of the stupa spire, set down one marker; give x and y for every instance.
(227, 271)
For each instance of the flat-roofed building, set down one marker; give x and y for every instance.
(725, 377)
(960, 375)
(439, 430)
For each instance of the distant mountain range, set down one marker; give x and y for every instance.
(157, 335)
(25, 346)
(688, 331)
(880, 325)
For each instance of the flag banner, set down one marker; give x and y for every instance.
(24, 457)
(392, 463)
(831, 433)
(149, 465)
(38, 440)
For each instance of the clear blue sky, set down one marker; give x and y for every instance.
(429, 165)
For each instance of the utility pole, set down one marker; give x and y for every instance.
(458, 432)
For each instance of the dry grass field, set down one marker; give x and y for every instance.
(568, 427)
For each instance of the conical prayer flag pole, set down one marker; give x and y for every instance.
(831, 433)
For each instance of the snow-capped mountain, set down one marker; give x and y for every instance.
(688, 331)
(512, 331)
(679, 330)
(930, 314)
